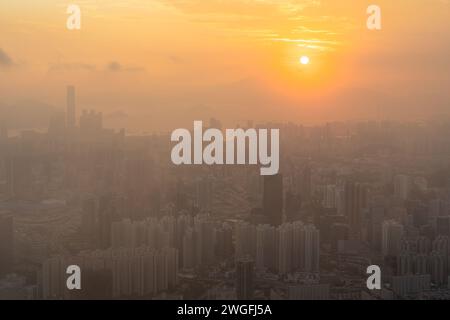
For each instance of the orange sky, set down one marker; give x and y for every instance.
(172, 61)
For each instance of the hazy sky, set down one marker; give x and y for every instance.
(170, 61)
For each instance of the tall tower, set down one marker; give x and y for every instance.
(392, 235)
(355, 200)
(71, 112)
(312, 248)
(273, 199)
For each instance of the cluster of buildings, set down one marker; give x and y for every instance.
(284, 249)
(112, 273)
(348, 195)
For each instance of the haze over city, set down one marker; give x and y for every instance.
(253, 150)
(160, 64)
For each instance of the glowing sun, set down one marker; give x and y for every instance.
(304, 60)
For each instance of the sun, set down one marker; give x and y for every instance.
(304, 60)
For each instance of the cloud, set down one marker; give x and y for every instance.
(239, 7)
(5, 60)
(62, 67)
(174, 59)
(115, 66)
(264, 19)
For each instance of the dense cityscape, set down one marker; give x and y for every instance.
(348, 195)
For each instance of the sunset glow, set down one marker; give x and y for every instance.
(304, 60)
(160, 56)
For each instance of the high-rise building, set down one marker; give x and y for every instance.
(293, 204)
(410, 284)
(442, 245)
(204, 232)
(107, 214)
(267, 248)
(339, 232)
(285, 248)
(305, 182)
(438, 268)
(91, 122)
(421, 264)
(330, 195)
(273, 199)
(312, 248)
(375, 221)
(402, 186)
(89, 216)
(14, 287)
(6, 244)
(244, 279)
(18, 175)
(443, 226)
(391, 237)
(71, 111)
(224, 241)
(135, 272)
(245, 240)
(355, 200)
(3, 130)
(405, 264)
(188, 253)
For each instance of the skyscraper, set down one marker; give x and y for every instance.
(3, 130)
(402, 186)
(107, 213)
(443, 226)
(305, 183)
(273, 199)
(375, 221)
(312, 248)
(355, 199)
(267, 248)
(244, 279)
(392, 234)
(18, 175)
(285, 248)
(71, 112)
(6, 244)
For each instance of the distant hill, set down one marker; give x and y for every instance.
(26, 114)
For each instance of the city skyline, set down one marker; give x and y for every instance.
(246, 150)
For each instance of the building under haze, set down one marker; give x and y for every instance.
(355, 200)
(71, 110)
(6, 244)
(245, 273)
(91, 122)
(130, 272)
(273, 199)
(392, 236)
(18, 175)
